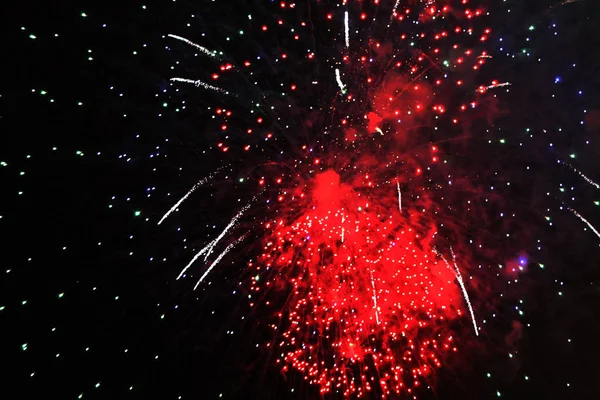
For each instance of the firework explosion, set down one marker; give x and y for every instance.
(360, 215)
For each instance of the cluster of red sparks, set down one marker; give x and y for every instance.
(370, 296)
(371, 299)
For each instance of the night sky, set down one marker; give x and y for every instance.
(97, 144)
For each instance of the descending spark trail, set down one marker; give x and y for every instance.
(399, 197)
(466, 295)
(461, 283)
(210, 246)
(585, 221)
(347, 29)
(209, 53)
(588, 180)
(199, 83)
(375, 299)
(339, 80)
(394, 10)
(227, 228)
(196, 186)
(218, 259)
(204, 249)
(483, 89)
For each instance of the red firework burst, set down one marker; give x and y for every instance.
(370, 296)
(371, 301)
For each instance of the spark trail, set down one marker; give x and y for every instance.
(461, 283)
(212, 54)
(211, 245)
(196, 186)
(585, 221)
(394, 10)
(218, 259)
(588, 180)
(347, 29)
(199, 83)
(338, 78)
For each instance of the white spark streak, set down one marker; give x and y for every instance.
(210, 246)
(209, 53)
(200, 83)
(585, 221)
(196, 186)
(347, 29)
(375, 299)
(465, 294)
(394, 10)
(399, 197)
(338, 78)
(227, 228)
(484, 89)
(194, 259)
(462, 286)
(588, 180)
(218, 259)
(342, 229)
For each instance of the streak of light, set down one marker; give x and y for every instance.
(199, 83)
(210, 246)
(218, 259)
(588, 180)
(585, 221)
(209, 53)
(196, 186)
(375, 299)
(347, 29)
(338, 78)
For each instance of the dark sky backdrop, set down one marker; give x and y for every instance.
(105, 305)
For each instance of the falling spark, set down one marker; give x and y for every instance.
(342, 229)
(196, 186)
(483, 89)
(465, 294)
(209, 53)
(218, 259)
(194, 259)
(585, 221)
(347, 29)
(374, 299)
(200, 83)
(399, 197)
(210, 246)
(394, 10)
(588, 180)
(227, 228)
(379, 130)
(339, 80)
(462, 286)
